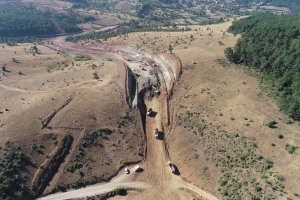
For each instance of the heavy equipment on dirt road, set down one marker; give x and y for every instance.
(172, 167)
(137, 168)
(127, 171)
(156, 133)
(149, 112)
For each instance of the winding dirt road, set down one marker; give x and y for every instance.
(156, 181)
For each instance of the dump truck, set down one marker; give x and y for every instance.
(172, 167)
(149, 112)
(137, 168)
(156, 133)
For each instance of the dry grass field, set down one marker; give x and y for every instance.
(218, 135)
(47, 95)
(220, 119)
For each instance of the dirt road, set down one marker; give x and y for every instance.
(12, 88)
(156, 179)
(93, 190)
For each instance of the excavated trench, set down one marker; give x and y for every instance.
(162, 72)
(167, 71)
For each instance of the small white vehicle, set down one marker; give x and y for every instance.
(172, 167)
(127, 171)
(149, 112)
(137, 168)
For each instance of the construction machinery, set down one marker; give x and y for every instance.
(172, 167)
(127, 171)
(137, 168)
(156, 133)
(149, 112)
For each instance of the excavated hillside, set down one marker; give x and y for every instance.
(150, 81)
(67, 117)
(79, 121)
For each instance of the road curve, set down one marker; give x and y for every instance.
(94, 190)
(157, 179)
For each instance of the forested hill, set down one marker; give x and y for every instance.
(19, 21)
(271, 44)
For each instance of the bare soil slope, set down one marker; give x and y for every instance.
(219, 138)
(46, 96)
(215, 127)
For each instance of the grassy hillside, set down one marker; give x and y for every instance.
(271, 44)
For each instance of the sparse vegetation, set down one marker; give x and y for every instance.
(275, 53)
(290, 148)
(13, 176)
(48, 171)
(82, 58)
(280, 136)
(243, 169)
(87, 142)
(272, 124)
(119, 191)
(124, 30)
(125, 119)
(245, 173)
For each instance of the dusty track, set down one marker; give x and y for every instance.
(157, 179)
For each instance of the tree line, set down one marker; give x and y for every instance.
(271, 44)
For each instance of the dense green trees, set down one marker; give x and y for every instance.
(16, 21)
(146, 9)
(20, 21)
(271, 44)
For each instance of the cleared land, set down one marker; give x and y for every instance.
(214, 120)
(46, 96)
(214, 103)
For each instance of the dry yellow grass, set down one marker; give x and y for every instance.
(227, 98)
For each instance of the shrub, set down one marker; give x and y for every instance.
(82, 58)
(13, 174)
(74, 166)
(290, 148)
(272, 124)
(280, 136)
(119, 191)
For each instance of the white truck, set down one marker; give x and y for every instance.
(137, 168)
(172, 167)
(149, 112)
